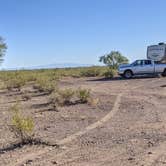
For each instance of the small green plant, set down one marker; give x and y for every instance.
(66, 96)
(45, 84)
(54, 100)
(83, 95)
(15, 83)
(61, 98)
(90, 72)
(22, 126)
(110, 73)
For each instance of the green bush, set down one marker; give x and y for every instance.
(61, 97)
(54, 100)
(15, 83)
(44, 84)
(66, 95)
(83, 95)
(90, 72)
(109, 73)
(21, 126)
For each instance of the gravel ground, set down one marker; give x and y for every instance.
(126, 128)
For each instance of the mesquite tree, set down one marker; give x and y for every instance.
(113, 59)
(3, 48)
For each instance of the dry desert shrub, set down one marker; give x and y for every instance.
(22, 126)
(61, 98)
(83, 95)
(68, 96)
(15, 83)
(90, 72)
(110, 73)
(93, 101)
(45, 84)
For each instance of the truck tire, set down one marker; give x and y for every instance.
(128, 74)
(164, 73)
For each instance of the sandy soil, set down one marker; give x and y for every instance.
(127, 128)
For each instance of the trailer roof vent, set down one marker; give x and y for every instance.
(162, 43)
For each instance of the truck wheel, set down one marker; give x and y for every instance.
(128, 74)
(164, 73)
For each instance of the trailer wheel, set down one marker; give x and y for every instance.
(128, 74)
(164, 73)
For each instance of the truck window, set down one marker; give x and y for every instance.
(138, 63)
(148, 62)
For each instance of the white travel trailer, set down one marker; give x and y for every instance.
(157, 52)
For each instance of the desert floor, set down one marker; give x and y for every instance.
(126, 128)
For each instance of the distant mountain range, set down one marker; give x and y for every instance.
(51, 66)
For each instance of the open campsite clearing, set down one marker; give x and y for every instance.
(126, 127)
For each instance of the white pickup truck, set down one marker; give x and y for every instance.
(155, 64)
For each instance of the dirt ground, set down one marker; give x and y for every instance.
(126, 128)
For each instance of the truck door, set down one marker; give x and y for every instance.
(143, 67)
(138, 67)
(148, 67)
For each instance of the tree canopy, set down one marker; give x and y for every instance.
(3, 48)
(113, 59)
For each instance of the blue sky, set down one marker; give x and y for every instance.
(40, 32)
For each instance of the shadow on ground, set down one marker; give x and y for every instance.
(124, 79)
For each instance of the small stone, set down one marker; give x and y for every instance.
(29, 161)
(54, 162)
(64, 147)
(130, 158)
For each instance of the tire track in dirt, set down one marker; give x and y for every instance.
(94, 125)
(72, 137)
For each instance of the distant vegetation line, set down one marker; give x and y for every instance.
(68, 71)
(46, 77)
